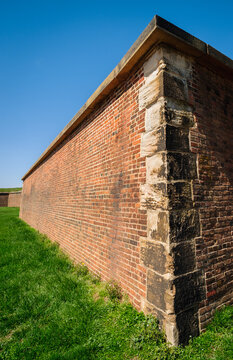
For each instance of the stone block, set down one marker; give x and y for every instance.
(153, 141)
(153, 116)
(188, 291)
(158, 225)
(183, 256)
(155, 256)
(165, 196)
(162, 84)
(174, 87)
(184, 225)
(174, 295)
(177, 139)
(154, 196)
(178, 113)
(151, 91)
(151, 65)
(181, 166)
(158, 289)
(184, 293)
(177, 61)
(156, 168)
(179, 195)
(187, 325)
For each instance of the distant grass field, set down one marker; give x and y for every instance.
(10, 189)
(53, 310)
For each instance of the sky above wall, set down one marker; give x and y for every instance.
(55, 53)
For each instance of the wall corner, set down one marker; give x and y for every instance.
(174, 285)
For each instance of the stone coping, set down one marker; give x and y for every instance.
(158, 31)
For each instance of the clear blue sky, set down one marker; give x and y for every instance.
(54, 54)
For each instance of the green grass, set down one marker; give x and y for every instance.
(10, 189)
(50, 309)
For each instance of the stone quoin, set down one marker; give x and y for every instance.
(139, 185)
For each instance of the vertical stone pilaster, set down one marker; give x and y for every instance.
(174, 286)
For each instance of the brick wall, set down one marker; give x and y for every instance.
(12, 199)
(212, 97)
(86, 195)
(3, 199)
(141, 191)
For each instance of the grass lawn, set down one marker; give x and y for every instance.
(10, 189)
(50, 309)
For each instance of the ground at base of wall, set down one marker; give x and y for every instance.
(54, 310)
